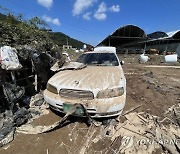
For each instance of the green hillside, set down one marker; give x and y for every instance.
(61, 39)
(15, 30)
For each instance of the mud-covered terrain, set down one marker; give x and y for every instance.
(152, 87)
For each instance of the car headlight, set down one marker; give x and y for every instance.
(51, 88)
(109, 93)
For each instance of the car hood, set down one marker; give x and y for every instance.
(92, 78)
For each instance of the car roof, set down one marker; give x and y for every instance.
(104, 50)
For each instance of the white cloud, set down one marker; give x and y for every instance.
(100, 14)
(54, 21)
(46, 18)
(114, 8)
(86, 16)
(102, 8)
(81, 5)
(46, 3)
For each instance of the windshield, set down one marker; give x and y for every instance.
(100, 59)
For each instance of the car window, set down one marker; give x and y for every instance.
(100, 59)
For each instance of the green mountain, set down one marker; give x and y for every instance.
(2, 16)
(62, 39)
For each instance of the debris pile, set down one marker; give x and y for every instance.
(135, 133)
(132, 132)
(144, 133)
(23, 73)
(30, 129)
(152, 51)
(26, 69)
(174, 114)
(10, 121)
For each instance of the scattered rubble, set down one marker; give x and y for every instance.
(138, 133)
(143, 133)
(10, 121)
(23, 73)
(152, 51)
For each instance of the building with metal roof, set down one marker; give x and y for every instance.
(133, 39)
(124, 35)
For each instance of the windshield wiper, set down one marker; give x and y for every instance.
(98, 64)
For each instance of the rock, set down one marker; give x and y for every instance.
(21, 116)
(39, 102)
(149, 74)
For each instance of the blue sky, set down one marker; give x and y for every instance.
(92, 20)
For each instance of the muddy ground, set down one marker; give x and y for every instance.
(154, 88)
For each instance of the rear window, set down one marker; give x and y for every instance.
(99, 59)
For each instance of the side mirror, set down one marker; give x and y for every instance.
(122, 62)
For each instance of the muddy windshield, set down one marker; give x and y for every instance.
(99, 59)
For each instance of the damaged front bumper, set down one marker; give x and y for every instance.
(96, 108)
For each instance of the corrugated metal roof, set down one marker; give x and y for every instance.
(171, 34)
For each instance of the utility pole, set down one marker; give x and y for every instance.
(67, 41)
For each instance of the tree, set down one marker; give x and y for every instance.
(35, 22)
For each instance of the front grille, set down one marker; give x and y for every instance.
(76, 94)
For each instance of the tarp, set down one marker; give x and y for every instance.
(143, 58)
(9, 59)
(171, 58)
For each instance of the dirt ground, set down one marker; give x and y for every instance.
(154, 88)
